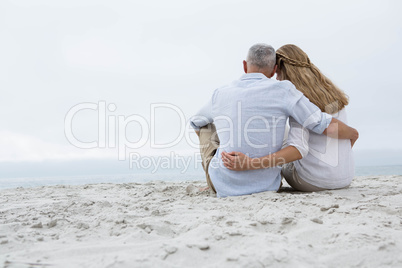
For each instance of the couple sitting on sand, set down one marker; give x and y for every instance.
(246, 146)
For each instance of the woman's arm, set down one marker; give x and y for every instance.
(297, 148)
(238, 161)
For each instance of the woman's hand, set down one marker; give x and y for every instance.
(238, 161)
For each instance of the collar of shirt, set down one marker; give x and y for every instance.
(253, 76)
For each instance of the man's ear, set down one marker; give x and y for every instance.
(245, 66)
(274, 70)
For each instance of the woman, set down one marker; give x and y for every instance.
(320, 162)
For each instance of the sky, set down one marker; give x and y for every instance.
(136, 60)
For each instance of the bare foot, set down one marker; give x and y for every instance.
(191, 189)
(203, 189)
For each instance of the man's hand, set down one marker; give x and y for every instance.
(355, 137)
(338, 130)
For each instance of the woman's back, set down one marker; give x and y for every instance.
(327, 163)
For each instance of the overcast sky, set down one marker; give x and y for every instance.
(57, 54)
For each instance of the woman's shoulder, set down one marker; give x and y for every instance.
(341, 115)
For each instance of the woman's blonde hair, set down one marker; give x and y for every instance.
(294, 65)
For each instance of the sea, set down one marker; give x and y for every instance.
(143, 176)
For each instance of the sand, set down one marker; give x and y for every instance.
(170, 224)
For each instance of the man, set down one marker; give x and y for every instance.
(250, 116)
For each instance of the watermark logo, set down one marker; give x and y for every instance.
(237, 131)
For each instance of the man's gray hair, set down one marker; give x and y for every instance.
(262, 55)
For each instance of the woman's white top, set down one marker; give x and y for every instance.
(327, 162)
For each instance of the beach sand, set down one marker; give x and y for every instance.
(170, 224)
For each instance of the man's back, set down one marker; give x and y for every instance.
(250, 117)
